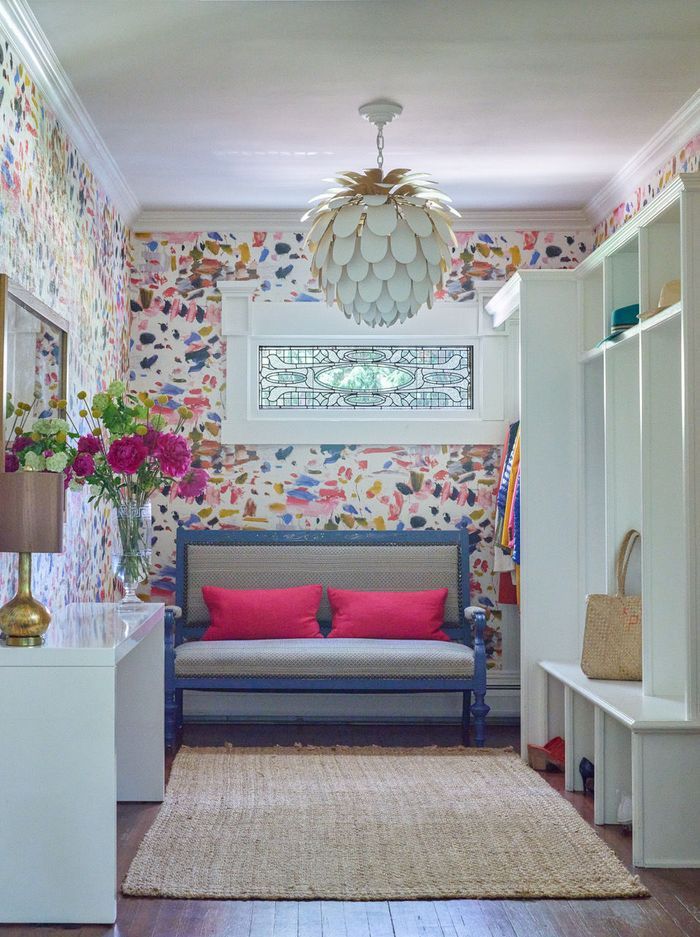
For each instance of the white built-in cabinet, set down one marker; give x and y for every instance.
(611, 440)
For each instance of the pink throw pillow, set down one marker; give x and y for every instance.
(249, 614)
(410, 615)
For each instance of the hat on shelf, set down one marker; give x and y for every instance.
(670, 295)
(621, 319)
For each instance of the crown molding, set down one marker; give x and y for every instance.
(677, 131)
(566, 220)
(22, 29)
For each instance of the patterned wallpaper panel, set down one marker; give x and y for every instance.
(177, 347)
(686, 159)
(63, 241)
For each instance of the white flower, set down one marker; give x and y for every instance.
(49, 426)
(57, 462)
(34, 462)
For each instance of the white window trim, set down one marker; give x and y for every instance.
(247, 324)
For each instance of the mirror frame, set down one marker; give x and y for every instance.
(11, 290)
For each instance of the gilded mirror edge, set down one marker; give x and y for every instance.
(11, 289)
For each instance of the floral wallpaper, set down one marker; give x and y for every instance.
(687, 159)
(177, 348)
(62, 240)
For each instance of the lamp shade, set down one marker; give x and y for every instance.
(31, 512)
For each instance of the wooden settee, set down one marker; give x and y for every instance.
(364, 560)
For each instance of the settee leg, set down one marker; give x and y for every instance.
(179, 719)
(466, 717)
(480, 710)
(171, 717)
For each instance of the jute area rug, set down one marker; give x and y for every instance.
(369, 824)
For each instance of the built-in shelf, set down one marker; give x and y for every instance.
(623, 700)
(611, 441)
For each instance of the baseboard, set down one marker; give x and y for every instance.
(319, 707)
(322, 720)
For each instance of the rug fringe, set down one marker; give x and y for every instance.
(300, 749)
(137, 891)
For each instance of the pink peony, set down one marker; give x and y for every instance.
(192, 485)
(152, 439)
(11, 462)
(67, 477)
(90, 444)
(21, 442)
(173, 453)
(126, 455)
(83, 464)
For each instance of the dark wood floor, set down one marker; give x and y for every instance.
(672, 911)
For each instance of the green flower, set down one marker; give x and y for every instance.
(158, 421)
(49, 426)
(34, 461)
(116, 389)
(57, 462)
(100, 401)
(43, 426)
(59, 426)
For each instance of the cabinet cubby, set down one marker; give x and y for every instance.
(623, 498)
(621, 277)
(660, 255)
(664, 596)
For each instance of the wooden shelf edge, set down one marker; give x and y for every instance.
(623, 700)
(646, 325)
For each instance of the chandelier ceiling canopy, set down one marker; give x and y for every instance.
(381, 243)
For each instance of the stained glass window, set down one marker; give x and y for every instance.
(384, 377)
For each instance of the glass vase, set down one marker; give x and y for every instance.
(131, 557)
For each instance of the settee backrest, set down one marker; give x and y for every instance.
(363, 561)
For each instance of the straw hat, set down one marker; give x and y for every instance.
(670, 295)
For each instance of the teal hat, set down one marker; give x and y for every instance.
(621, 320)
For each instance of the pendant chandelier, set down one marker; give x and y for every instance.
(381, 244)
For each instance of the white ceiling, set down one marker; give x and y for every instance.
(508, 103)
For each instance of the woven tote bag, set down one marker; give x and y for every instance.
(612, 640)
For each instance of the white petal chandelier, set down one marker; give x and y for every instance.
(381, 243)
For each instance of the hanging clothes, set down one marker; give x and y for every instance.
(503, 561)
(515, 523)
(512, 477)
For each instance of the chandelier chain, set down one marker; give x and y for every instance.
(380, 146)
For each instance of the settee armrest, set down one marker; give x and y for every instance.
(172, 613)
(476, 618)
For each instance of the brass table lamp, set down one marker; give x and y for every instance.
(31, 521)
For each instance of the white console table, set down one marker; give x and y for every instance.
(82, 727)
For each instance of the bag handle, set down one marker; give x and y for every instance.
(622, 558)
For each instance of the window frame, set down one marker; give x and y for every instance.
(248, 324)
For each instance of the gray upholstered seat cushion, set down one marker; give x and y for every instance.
(327, 657)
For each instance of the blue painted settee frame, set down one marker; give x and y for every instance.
(470, 631)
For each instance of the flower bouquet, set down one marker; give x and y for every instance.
(126, 453)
